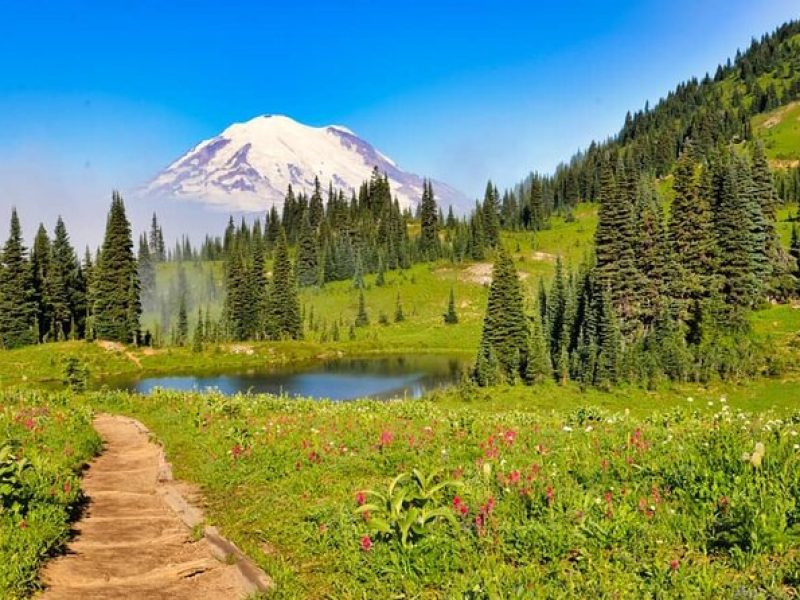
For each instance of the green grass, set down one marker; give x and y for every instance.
(584, 501)
(780, 130)
(46, 440)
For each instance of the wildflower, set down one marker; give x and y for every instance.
(67, 487)
(23, 524)
(756, 457)
(387, 437)
(361, 498)
(567, 428)
(323, 528)
(30, 424)
(796, 446)
(237, 451)
(514, 477)
(510, 436)
(550, 494)
(366, 543)
(674, 564)
(366, 516)
(690, 399)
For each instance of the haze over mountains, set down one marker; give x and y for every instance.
(249, 166)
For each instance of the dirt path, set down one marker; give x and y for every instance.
(130, 543)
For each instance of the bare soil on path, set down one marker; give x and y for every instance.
(129, 542)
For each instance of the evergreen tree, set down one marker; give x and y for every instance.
(399, 316)
(615, 240)
(67, 287)
(40, 271)
(380, 279)
(451, 316)
(539, 368)
(490, 218)
(17, 302)
(116, 307)
(732, 228)
(147, 272)
(429, 246)
(690, 230)
(505, 326)
(182, 332)
(362, 319)
(609, 345)
(307, 267)
(283, 306)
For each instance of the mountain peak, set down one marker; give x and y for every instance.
(250, 164)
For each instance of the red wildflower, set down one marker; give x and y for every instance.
(387, 437)
(67, 487)
(510, 436)
(463, 509)
(366, 543)
(323, 528)
(456, 501)
(30, 424)
(513, 477)
(550, 494)
(656, 495)
(361, 498)
(237, 451)
(609, 497)
(674, 564)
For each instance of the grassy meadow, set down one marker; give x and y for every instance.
(545, 491)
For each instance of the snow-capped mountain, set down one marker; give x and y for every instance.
(249, 166)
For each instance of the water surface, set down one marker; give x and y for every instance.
(341, 379)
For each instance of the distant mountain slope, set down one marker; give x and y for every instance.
(250, 165)
(725, 107)
(780, 130)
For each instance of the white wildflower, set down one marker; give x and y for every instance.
(567, 428)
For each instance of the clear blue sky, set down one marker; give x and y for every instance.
(101, 94)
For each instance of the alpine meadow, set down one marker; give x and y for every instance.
(284, 366)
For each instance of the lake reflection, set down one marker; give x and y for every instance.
(341, 379)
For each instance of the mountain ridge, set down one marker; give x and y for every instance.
(250, 164)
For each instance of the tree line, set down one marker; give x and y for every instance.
(47, 294)
(665, 294)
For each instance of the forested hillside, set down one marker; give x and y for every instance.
(718, 109)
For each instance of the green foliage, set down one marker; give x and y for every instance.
(526, 496)
(505, 326)
(76, 374)
(17, 299)
(115, 291)
(451, 316)
(43, 447)
(412, 505)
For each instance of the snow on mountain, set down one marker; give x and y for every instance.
(249, 166)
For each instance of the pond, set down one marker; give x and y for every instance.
(340, 379)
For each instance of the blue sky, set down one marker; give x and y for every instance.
(95, 95)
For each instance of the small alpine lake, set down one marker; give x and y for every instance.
(378, 377)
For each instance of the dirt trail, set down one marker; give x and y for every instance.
(130, 543)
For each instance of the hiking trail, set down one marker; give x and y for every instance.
(134, 538)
